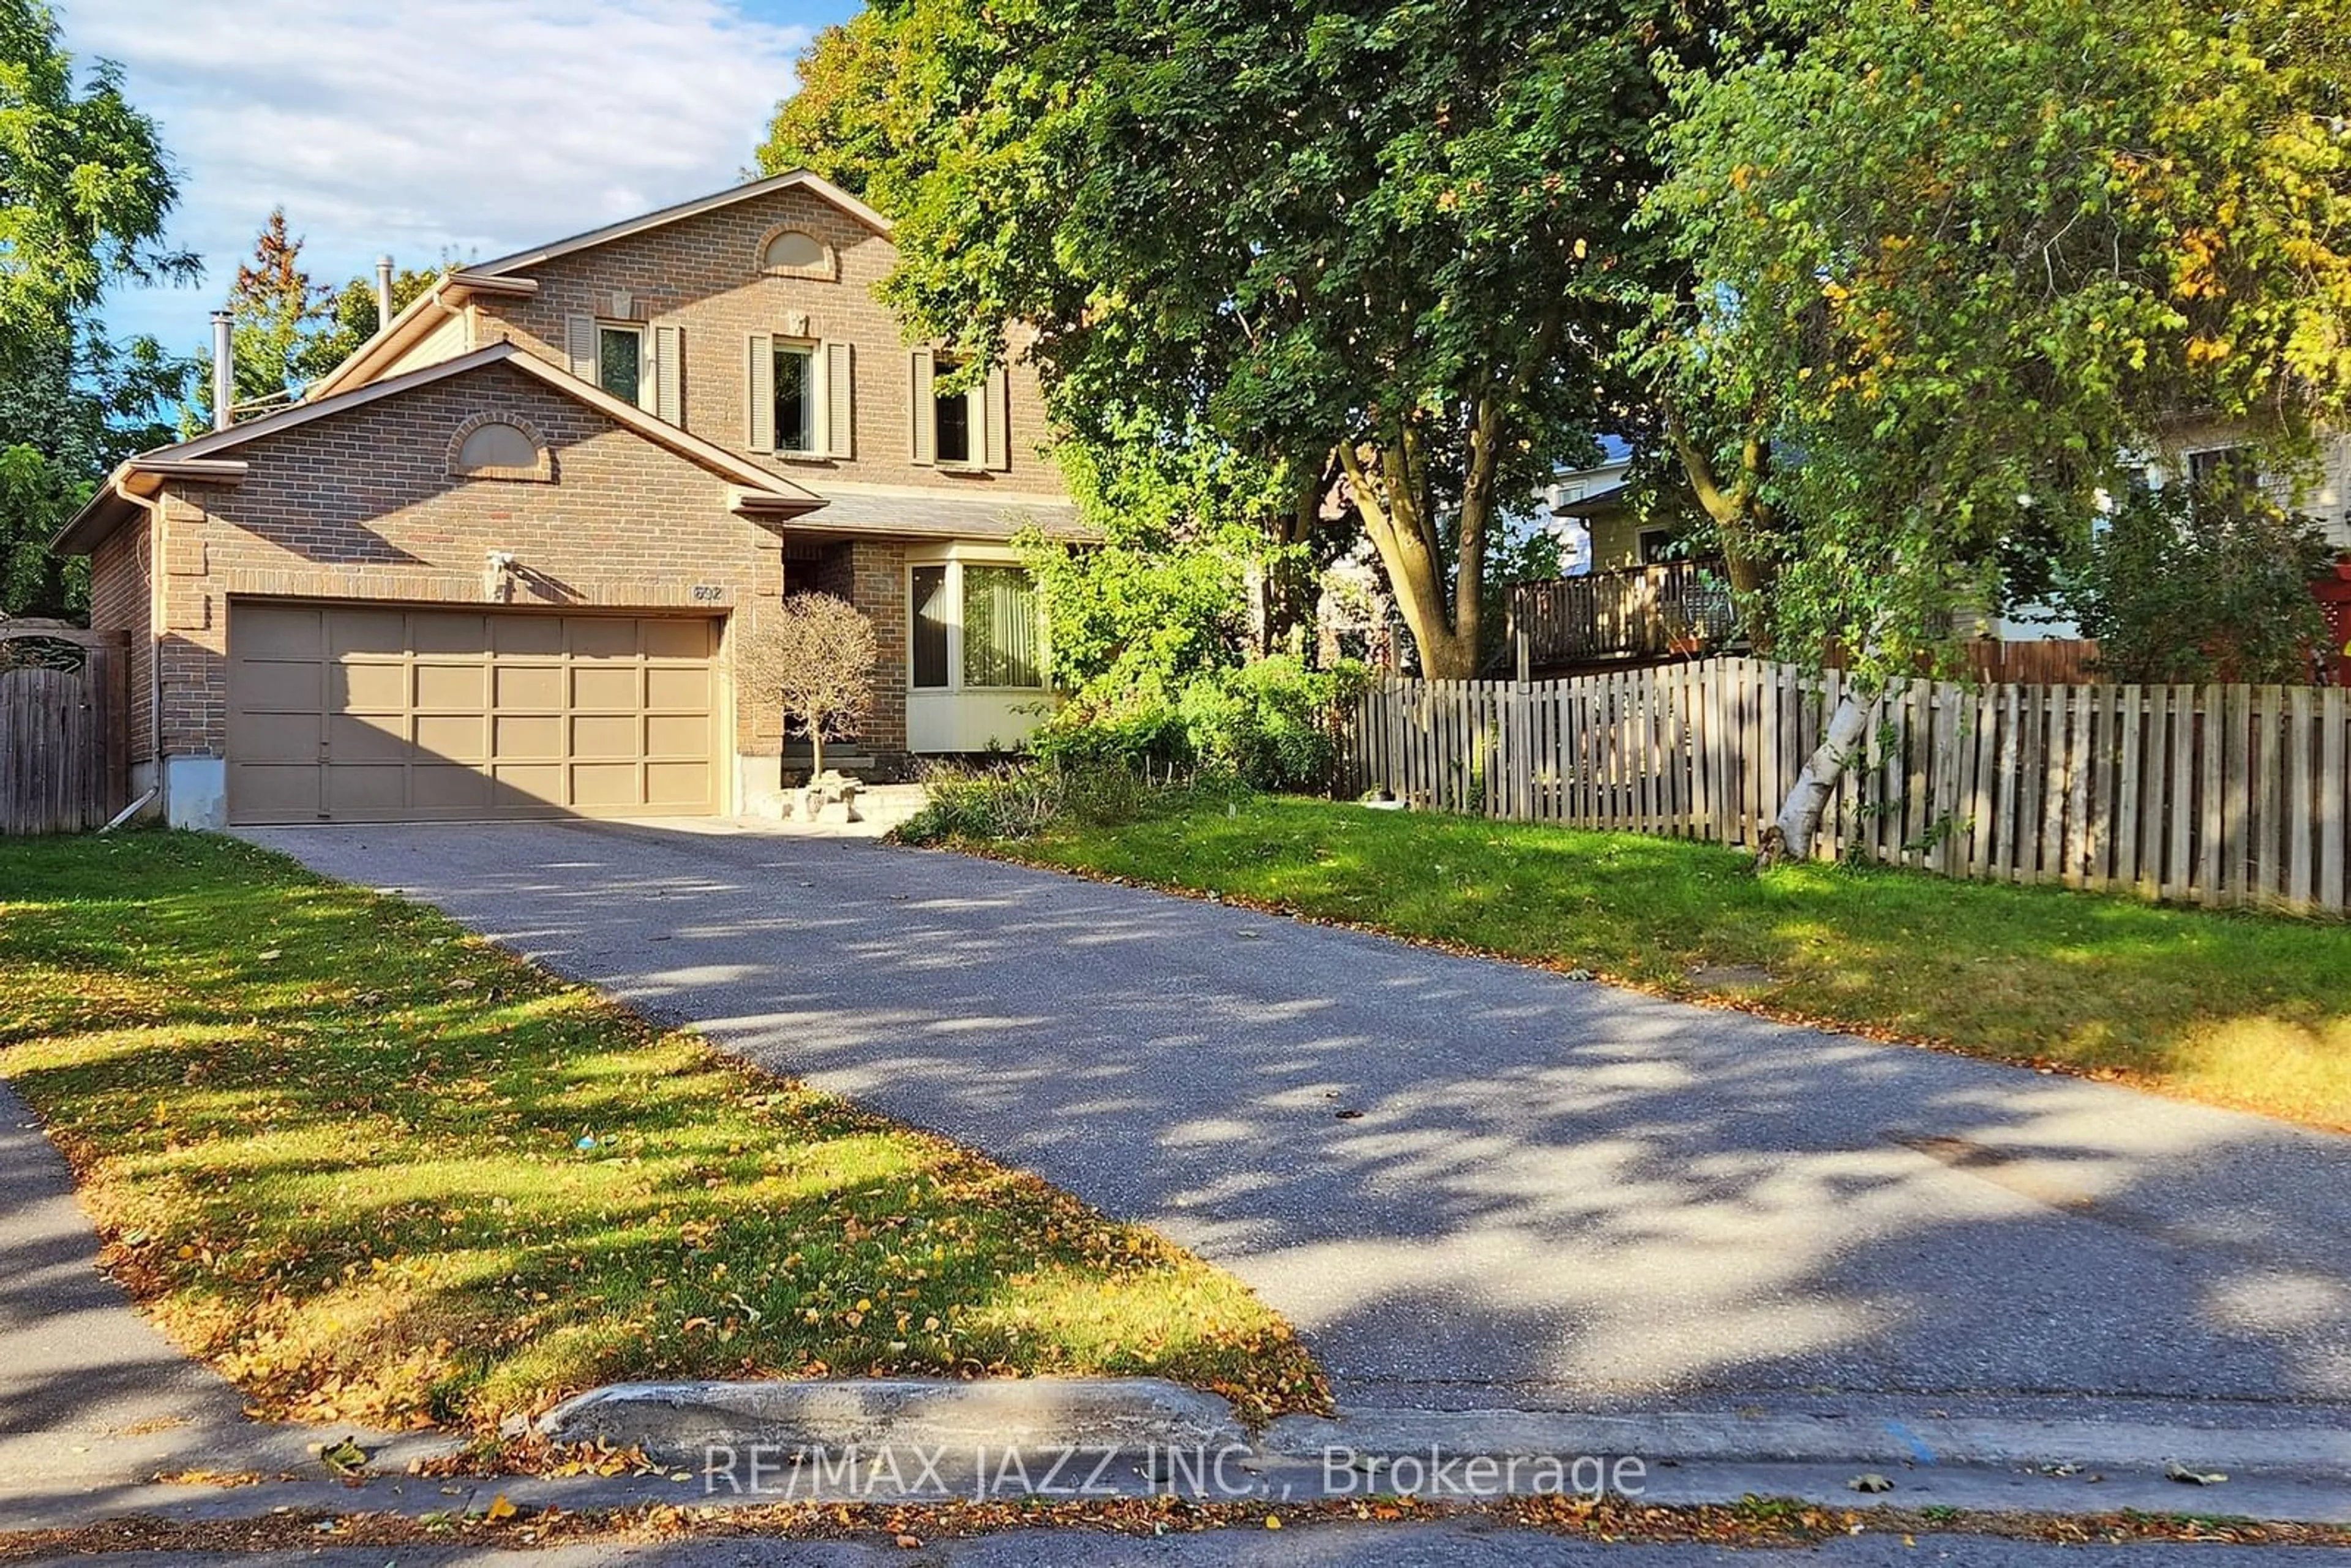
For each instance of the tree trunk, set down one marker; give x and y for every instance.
(1406, 542)
(1799, 823)
(816, 752)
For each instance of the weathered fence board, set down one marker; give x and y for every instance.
(2220, 795)
(63, 732)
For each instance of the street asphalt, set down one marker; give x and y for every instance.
(1322, 1546)
(1470, 1183)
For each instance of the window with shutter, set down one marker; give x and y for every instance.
(800, 402)
(923, 408)
(669, 374)
(759, 392)
(840, 413)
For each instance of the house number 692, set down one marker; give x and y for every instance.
(709, 594)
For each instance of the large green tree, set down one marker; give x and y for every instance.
(1949, 265)
(84, 192)
(1387, 240)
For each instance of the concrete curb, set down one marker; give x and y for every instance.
(680, 1422)
(1715, 1438)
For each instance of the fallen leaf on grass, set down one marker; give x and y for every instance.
(499, 1510)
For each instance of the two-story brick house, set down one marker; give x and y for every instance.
(495, 564)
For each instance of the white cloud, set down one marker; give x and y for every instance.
(420, 126)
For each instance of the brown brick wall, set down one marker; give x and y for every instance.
(122, 599)
(702, 275)
(871, 574)
(359, 505)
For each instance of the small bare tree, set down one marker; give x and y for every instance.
(815, 654)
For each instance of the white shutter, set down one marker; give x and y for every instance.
(580, 344)
(924, 448)
(759, 392)
(841, 437)
(992, 442)
(669, 384)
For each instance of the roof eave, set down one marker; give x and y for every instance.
(415, 321)
(121, 499)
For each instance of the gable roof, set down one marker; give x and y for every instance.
(752, 487)
(796, 180)
(498, 277)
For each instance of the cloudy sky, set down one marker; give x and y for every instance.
(420, 126)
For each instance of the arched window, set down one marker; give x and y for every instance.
(499, 446)
(796, 253)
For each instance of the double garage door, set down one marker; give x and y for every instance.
(377, 714)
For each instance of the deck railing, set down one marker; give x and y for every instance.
(1675, 609)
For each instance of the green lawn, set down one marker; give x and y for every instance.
(2237, 1009)
(374, 1170)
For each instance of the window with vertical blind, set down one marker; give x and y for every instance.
(973, 627)
(1000, 628)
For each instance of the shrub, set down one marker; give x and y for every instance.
(2201, 584)
(1270, 724)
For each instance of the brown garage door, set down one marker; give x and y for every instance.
(371, 714)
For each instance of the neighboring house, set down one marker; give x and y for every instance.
(494, 563)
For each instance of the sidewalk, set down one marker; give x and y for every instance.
(94, 1403)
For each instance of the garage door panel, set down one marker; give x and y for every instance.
(606, 786)
(451, 738)
(271, 686)
(673, 686)
(524, 737)
(367, 688)
(367, 789)
(274, 738)
(527, 635)
(528, 686)
(367, 737)
(526, 784)
(614, 686)
(353, 631)
(281, 632)
(683, 784)
(451, 790)
(447, 686)
(614, 735)
(443, 631)
(265, 793)
(598, 639)
(676, 639)
(439, 713)
(677, 736)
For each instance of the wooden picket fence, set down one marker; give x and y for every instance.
(2217, 795)
(62, 729)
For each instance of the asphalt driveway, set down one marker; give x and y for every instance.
(1470, 1184)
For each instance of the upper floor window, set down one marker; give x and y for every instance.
(796, 253)
(967, 429)
(621, 360)
(637, 361)
(499, 445)
(799, 397)
(951, 414)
